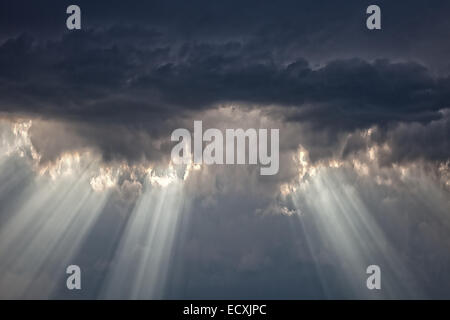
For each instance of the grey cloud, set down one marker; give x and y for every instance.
(103, 84)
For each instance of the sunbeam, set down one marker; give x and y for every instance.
(145, 249)
(338, 224)
(39, 240)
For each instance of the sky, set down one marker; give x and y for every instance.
(85, 151)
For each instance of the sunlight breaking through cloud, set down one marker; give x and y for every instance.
(144, 253)
(59, 205)
(50, 221)
(339, 222)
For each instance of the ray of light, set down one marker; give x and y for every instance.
(144, 252)
(38, 241)
(337, 221)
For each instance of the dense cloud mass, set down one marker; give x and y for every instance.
(98, 83)
(85, 125)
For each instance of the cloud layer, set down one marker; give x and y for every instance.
(86, 118)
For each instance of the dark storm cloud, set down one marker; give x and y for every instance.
(105, 79)
(91, 74)
(415, 30)
(145, 67)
